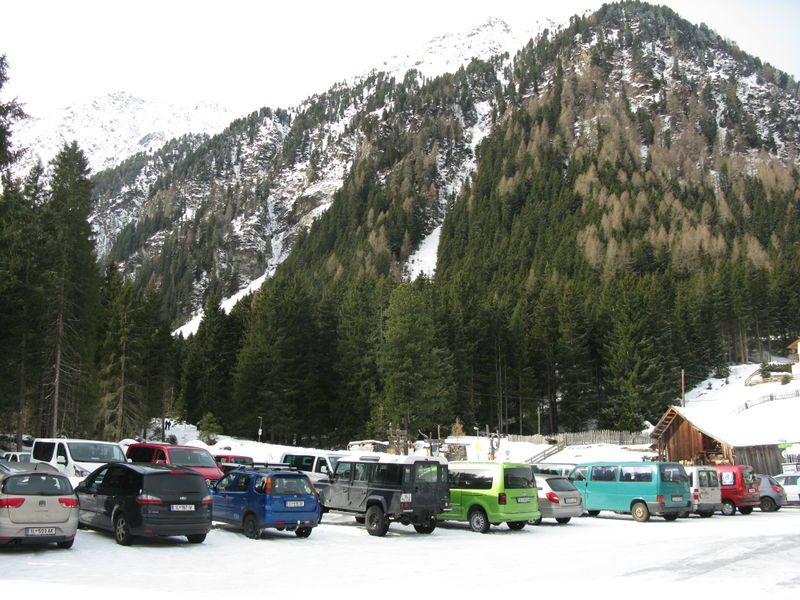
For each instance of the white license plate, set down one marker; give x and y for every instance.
(524, 499)
(570, 500)
(295, 504)
(34, 531)
(677, 498)
(182, 507)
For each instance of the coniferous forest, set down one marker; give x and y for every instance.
(603, 246)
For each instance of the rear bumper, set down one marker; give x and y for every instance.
(35, 540)
(165, 529)
(659, 510)
(704, 507)
(555, 511)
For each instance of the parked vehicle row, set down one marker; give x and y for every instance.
(170, 490)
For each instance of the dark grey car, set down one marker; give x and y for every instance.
(772, 494)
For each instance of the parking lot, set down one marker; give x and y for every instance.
(610, 555)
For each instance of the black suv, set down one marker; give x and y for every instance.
(131, 499)
(409, 489)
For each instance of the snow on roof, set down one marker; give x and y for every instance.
(745, 415)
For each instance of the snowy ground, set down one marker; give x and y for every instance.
(608, 556)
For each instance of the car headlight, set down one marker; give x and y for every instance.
(80, 471)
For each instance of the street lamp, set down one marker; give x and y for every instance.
(259, 429)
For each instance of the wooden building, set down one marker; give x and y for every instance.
(702, 437)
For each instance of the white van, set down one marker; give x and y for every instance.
(704, 492)
(76, 458)
(315, 463)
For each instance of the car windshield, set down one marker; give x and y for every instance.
(674, 473)
(282, 484)
(40, 484)
(191, 457)
(748, 476)
(98, 452)
(560, 484)
(519, 478)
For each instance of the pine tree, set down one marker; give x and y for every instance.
(72, 295)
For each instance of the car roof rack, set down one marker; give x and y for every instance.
(269, 467)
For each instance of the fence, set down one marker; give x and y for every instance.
(770, 398)
(597, 436)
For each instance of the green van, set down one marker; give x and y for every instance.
(639, 488)
(490, 493)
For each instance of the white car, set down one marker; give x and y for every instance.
(789, 483)
(17, 457)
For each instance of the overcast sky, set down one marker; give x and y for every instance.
(246, 54)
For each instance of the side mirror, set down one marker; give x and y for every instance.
(61, 460)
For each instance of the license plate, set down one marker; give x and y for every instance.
(295, 504)
(677, 498)
(34, 531)
(182, 507)
(570, 500)
(523, 499)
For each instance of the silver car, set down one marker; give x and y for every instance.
(773, 496)
(37, 507)
(558, 498)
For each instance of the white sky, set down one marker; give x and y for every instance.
(246, 54)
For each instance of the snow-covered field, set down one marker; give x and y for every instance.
(609, 556)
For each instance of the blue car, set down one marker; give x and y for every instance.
(256, 499)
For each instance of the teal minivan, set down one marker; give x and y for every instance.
(641, 489)
(490, 493)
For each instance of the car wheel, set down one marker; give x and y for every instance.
(197, 538)
(516, 525)
(376, 521)
(250, 527)
(768, 504)
(728, 508)
(670, 517)
(535, 521)
(745, 510)
(302, 532)
(426, 527)
(122, 531)
(640, 512)
(478, 521)
(563, 520)
(66, 544)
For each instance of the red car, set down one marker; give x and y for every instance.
(229, 462)
(739, 488)
(197, 459)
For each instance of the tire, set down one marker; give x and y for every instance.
(728, 508)
(122, 530)
(426, 527)
(196, 538)
(376, 521)
(563, 520)
(303, 532)
(640, 512)
(250, 526)
(593, 513)
(516, 525)
(66, 544)
(670, 517)
(768, 504)
(745, 510)
(535, 521)
(478, 521)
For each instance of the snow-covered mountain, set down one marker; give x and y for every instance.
(112, 127)
(228, 208)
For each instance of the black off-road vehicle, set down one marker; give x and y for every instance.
(411, 490)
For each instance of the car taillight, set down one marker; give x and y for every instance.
(11, 502)
(68, 502)
(206, 500)
(501, 498)
(552, 496)
(696, 494)
(268, 486)
(660, 500)
(148, 499)
(776, 489)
